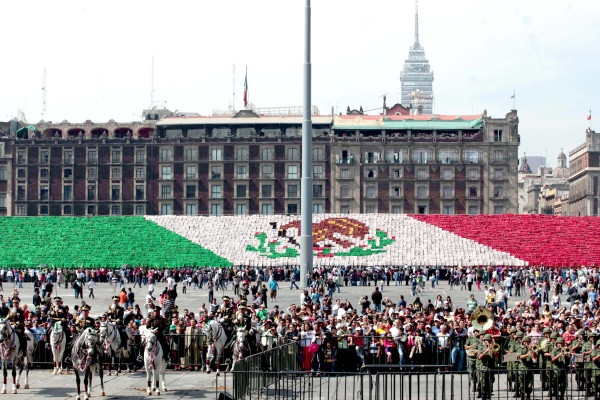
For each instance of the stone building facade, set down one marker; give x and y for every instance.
(250, 164)
(584, 176)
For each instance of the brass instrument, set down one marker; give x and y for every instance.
(471, 352)
(544, 345)
(482, 319)
(495, 347)
(536, 348)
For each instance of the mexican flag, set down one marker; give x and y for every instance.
(589, 116)
(246, 89)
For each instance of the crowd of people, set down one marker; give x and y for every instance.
(342, 335)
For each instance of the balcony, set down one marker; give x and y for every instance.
(345, 161)
(344, 177)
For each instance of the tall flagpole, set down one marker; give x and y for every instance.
(306, 247)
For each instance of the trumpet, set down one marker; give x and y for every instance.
(536, 348)
(495, 347)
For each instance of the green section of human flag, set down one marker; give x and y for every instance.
(71, 242)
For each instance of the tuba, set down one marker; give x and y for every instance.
(482, 319)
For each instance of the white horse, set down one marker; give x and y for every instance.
(154, 362)
(241, 348)
(110, 339)
(11, 352)
(58, 341)
(217, 338)
(86, 359)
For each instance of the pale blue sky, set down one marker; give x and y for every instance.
(98, 57)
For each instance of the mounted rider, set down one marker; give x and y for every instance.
(244, 320)
(156, 321)
(225, 315)
(59, 313)
(84, 320)
(17, 319)
(115, 314)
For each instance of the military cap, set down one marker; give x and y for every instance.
(554, 335)
(488, 337)
(519, 334)
(16, 300)
(560, 340)
(513, 330)
(226, 298)
(57, 299)
(85, 308)
(547, 330)
(526, 339)
(115, 298)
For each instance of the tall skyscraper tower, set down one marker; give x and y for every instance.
(417, 77)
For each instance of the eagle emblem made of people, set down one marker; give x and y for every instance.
(332, 237)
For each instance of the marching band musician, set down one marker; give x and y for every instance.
(547, 354)
(560, 363)
(527, 359)
(543, 359)
(471, 348)
(485, 362)
(511, 366)
(596, 371)
(577, 348)
(587, 349)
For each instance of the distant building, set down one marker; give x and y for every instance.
(539, 191)
(584, 175)
(416, 78)
(250, 163)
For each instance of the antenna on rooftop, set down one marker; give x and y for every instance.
(44, 94)
(233, 104)
(152, 85)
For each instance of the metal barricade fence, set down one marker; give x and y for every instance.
(408, 384)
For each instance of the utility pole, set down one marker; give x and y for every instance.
(306, 242)
(44, 94)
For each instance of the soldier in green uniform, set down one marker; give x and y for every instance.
(517, 344)
(596, 368)
(471, 348)
(547, 353)
(525, 371)
(560, 364)
(84, 320)
(577, 348)
(588, 365)
(485, 360)
(510, 366)
(543, 343)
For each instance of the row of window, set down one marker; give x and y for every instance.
(447, 209)
(67, 209)
(92, 156)
(420, 156)
(422, 192)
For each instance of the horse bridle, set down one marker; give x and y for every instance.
(113, 335)
(212, 335)
(58, 338)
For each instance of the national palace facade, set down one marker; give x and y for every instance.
(250, 164)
